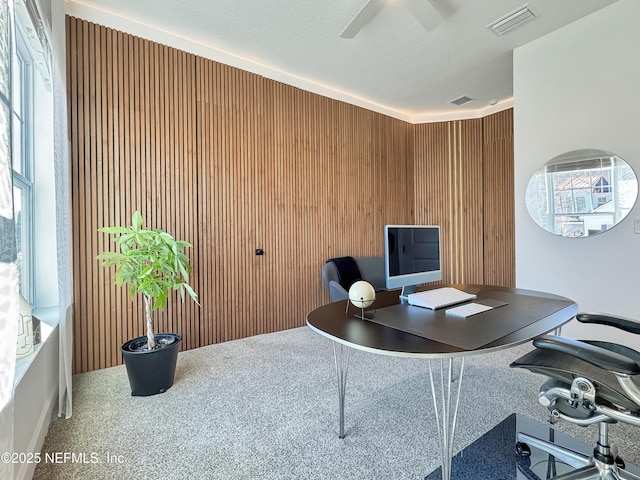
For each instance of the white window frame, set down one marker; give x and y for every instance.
(23, 180)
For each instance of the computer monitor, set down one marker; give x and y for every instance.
(411, 256)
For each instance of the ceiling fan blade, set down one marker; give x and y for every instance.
(364, 16)
(428, 15)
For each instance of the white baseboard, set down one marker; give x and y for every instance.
(25, 471)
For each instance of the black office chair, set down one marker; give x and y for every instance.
(589, 382)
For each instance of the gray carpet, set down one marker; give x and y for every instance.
(265, 407)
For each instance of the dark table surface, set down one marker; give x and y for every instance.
(530, 313)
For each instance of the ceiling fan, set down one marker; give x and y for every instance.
(424, 11)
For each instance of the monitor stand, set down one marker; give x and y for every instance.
(407, 290)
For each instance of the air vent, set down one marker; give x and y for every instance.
(513, 20)
(461, 100)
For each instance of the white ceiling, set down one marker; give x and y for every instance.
(393, 65)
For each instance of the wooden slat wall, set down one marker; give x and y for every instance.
(464, 183)
(499, 201)
(231, 162)
(449, 193)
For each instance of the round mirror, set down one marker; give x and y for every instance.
(581, 193)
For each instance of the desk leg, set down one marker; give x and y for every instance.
(341, 356)
(446, 413)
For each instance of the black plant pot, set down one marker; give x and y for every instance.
(151, 371)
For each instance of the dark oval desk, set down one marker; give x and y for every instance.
(398, 329)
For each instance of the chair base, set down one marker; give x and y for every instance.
(598, 471)
(587, 468)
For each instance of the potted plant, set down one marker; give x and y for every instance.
(150, 262)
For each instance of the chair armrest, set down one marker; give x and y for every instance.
(337, 292)
(596, 356)
(625, 324)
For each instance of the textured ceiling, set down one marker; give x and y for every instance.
(392, 65)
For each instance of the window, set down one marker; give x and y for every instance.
(22, 162)
(29, 109)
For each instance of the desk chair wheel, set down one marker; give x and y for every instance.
(522, 449)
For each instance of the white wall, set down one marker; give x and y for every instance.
(579, 87)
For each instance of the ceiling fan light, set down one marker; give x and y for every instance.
(513, 20)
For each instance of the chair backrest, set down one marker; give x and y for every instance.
(346, 270)
(329, 273)
(371, 269)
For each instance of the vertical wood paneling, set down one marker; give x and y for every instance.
(231, 161)
(464, 182)
(499, 222)
(448, 193)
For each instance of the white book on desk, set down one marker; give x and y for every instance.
(439, 297)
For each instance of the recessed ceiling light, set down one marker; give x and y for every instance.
(513, 20)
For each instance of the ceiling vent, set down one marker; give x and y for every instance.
(513, 20)
(461, 100)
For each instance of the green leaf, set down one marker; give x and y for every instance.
(191, 293)
(146, 272)
(183, 271)
(125, 238)
(109, 256)
(136, 220)
(166, 236)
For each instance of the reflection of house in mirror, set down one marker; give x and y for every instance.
(581, 193)
(591, 200)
